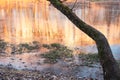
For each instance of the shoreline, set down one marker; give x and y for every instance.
(14, 74)
(68, 69)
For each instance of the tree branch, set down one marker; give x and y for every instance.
(74, 4)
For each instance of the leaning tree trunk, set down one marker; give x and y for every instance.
(110, 67)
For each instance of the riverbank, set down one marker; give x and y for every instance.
(51, 62)
(49, 74)
(67, 69)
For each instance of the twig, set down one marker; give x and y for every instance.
(74, 4)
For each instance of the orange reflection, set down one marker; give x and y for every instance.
(27, 20)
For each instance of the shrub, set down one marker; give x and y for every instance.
(3, 45)
(27, 47)
(89, 58)
(57, 51)
(46, 46)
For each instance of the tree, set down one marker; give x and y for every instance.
(110, 67)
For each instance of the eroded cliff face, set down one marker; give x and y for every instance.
(30, 20)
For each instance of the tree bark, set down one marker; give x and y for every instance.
(110, 67)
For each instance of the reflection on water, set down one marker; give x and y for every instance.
(107, 19)
(28, 21)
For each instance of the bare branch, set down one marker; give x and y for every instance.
(74, 4)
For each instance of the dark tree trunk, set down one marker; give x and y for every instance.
(110, 67)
